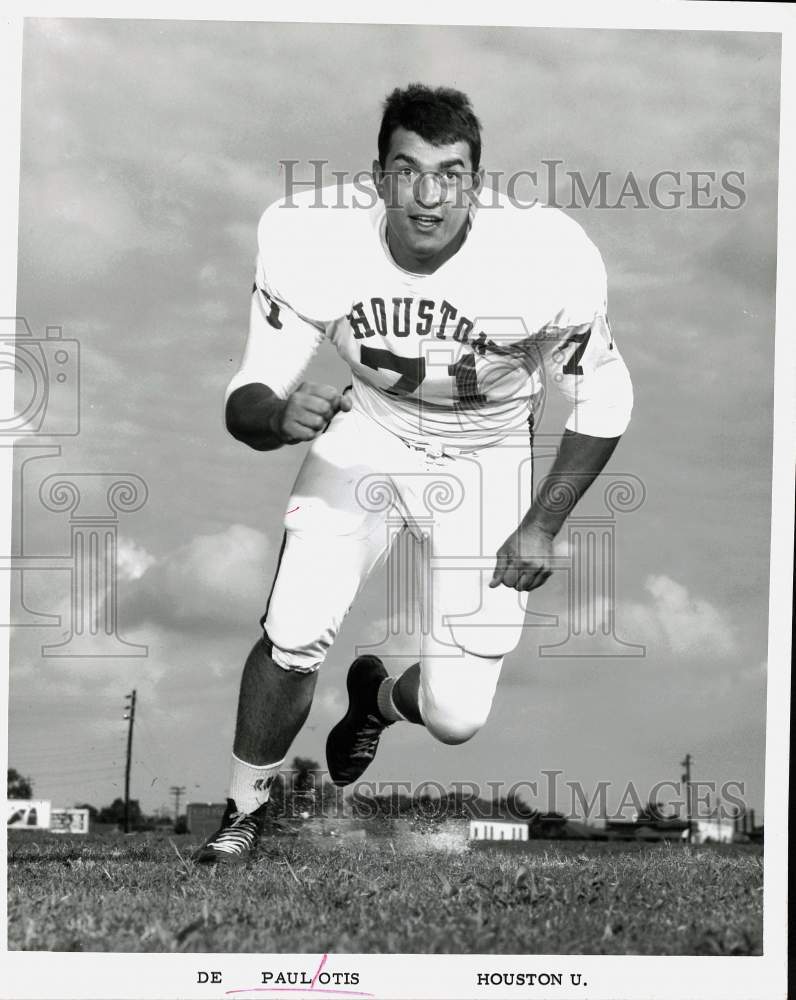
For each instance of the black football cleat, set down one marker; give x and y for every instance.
(235, 840)
(352, 744)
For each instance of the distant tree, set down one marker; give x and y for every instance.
(303, 790)
(394, 804)
(429, 807)
(306, 773)
(19, 787)
(651, 813)
(277, 798)
(114, 813)
(517, 807)
(162, 818)
(300, 791)
(474, 807)
(512, 806)
(305, 769)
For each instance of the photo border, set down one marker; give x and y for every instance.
(49, 975)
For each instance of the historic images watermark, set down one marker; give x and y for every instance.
(588, 561)
(45, 377)
(550, 183)
(45, 395)
(308, 795)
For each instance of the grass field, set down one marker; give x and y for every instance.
(140, 894)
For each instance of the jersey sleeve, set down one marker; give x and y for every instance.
(586, 366)
(281, 341)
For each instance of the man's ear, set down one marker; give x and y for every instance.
(479, 180)
(378, 178)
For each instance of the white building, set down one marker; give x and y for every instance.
(719, 831)
(497, 829)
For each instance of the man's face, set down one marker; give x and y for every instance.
(427, 191)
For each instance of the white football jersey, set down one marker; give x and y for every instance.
(458, 356)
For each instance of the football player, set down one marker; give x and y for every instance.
(454, 308)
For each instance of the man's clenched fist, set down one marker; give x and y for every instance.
(307, 411)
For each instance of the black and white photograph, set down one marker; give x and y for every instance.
(397, 449)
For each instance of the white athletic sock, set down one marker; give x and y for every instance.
(249, 784)
(384, 700)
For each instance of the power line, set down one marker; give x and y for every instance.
(92, 772)
(129, 715)
(67, 755)
(55, 753)
(36, 773)
(687, 780)
(177, 791)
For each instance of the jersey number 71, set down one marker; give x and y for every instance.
(413, 371)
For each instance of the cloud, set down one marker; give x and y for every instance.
(78, 223)
(756, 674)
(132, 560)
(676, 619)
(214, 582)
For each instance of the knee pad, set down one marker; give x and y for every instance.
(301, 659)
(490, 641)
(456, 693)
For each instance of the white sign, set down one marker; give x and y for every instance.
(28, 814)
(69, 820)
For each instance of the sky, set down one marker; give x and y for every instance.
(149, 150)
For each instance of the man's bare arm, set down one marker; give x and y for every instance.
(581, 458)
(524, 559)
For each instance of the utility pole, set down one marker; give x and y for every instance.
(687, 781)
(129, 710)
(177, 791)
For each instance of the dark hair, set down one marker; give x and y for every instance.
(440, 116)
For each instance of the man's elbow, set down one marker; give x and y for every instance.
(248, 416)
(235, 414)
(234, 418)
